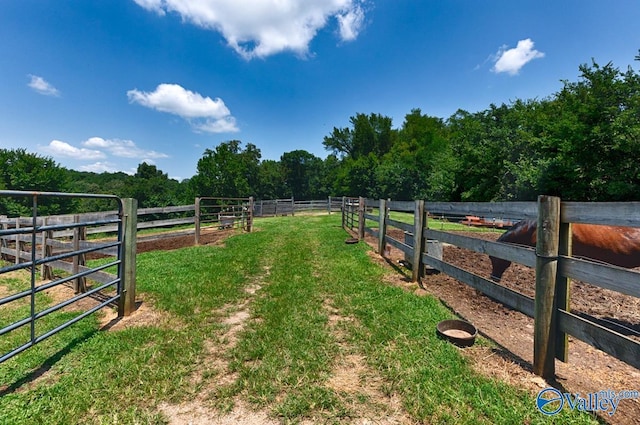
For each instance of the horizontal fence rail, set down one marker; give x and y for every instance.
(289, 206)
(553, 320)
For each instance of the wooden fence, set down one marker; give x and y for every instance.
(551, 259)
(289, 206)
(206, 212)
(146, 220)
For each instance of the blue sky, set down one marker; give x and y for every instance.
(104, 85)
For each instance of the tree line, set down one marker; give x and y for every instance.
(581, 143)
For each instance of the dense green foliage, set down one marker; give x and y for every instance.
(23, 171)
(582, 143)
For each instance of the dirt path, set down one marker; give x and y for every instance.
(199, 410)
(358, 386)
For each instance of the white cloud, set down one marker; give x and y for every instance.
(224, 125)
(41, 86)
(512, 60)
(154, 5)
(59, 148)
(174, 99)
(259, 28)
(101, 167)
(102, 150)
(204, 113)
(351, 23)
(122, 148)
(100, 155)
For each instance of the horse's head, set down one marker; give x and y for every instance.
(522, 233)
(498, 266)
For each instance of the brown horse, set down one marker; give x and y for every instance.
(615, 245)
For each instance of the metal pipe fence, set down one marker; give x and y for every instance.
(33, 261)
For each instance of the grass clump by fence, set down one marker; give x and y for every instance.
(310, 302)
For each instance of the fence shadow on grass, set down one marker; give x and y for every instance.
(47, 365)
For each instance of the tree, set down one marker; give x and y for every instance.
(330, 169)
(418, 166)
(227, 171)
(593, 143)
(271, 181)
(479, 166)
(24, 171)
(302, 172)
(357, 177)
(497, 152)
(153, 188)
(369, 134)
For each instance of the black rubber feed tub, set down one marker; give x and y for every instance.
(459, 332)
(351, 241)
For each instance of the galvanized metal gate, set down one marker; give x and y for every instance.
(226, 213)
(350, 213)
(50, 253)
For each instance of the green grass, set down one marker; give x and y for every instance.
(434, 223)
(283, 357)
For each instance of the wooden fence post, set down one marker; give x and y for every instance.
(197, 221)
(43, 248)
(382, 230)
(342, 208)
(127, 304)
(250, 215)
(3, 241)
(18, 242)
(46, 250)
(563, 284)
(417, 268)
(544, 334)
(79, 234)
(361, 207)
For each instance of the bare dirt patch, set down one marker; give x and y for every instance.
(215, 363)
(588, 370)
(359, 386)
(197, 413)
(209, 236)
(144, 315)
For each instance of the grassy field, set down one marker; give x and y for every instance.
(288, 321)
(434, 223)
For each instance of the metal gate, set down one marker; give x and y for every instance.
(225, 213)
(43, 254)
(351, 213)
